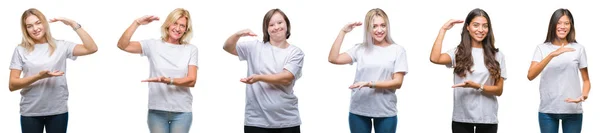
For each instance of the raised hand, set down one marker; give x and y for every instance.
(578, 100)
(358, 85)
(448, 25)
(561, 50)
(348, 27)
(245, 32)
(249, 80)
(146, 19)
(46, 73)
(65, 21)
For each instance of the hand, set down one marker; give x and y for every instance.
(578, 100)
(561, 50)
(348, 27)
(245, 32)
(46, 73)
(451, 23)
(251, 80)
(467, 84)
(66, 21)
(160, 79)
(359, 85)
(146, 19)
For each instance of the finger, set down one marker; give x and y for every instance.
(250, 33)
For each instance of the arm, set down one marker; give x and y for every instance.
(494, 89)
(283, 78)
(188, 81)
(536, 67)
(231, 42)
(586, 82)
(436, 55)
(334, 54)
(134, 46)
(16, 82)
(395, 83)
(88, 46)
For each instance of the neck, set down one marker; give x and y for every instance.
(279, 43)
(173, 41)
(476, 44)
(560, 42)
(41, 41)
(382, 43)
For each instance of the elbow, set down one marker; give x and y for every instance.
(286, 82)
(94, 50)
(332, 61)
(11, 88)
(530, 77)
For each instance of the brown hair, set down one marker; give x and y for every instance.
(266, 20)
(551, 36)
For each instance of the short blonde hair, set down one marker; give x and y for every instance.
(172, 18)
(28, 42)
(368, 39)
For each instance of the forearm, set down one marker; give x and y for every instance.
(389, 84)
(87, 40)
(19, 83)
(335, 48)
(534, 71)
(586, 89)
(185, 82)
(231, 42)
(279, 79)
(126, 37)
(436, 50)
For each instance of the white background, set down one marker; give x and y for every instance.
(106, 94)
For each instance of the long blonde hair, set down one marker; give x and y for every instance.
(28, 42)
(368, 39)
(172, 18)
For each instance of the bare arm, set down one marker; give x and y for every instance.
(88, 46)
(283, 78)
(231, 42)
(16, 82)
(188, 81)
(395, 83)
(436, 55)
(334, 54)
(586, 82)
(536, 67)
(125, 42)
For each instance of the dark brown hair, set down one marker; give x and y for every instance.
(551, 36)
(266, 20)
(464, 59)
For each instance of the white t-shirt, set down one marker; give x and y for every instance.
(269, 105)
(376, 63)
(472, 105)
(560, 78)
(169, 60)
(46, 96)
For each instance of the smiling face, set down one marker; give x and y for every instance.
(35, 28)
(478, 28)
(379, 30)
(563, 27)
(277, 27)
(177, 29)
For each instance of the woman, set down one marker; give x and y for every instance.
(479, 73)
(274, 65)
(173, 65)
(560, 60)
(381, 66)
(44, 90)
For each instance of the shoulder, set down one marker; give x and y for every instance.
(499, 54)
(577, 46)
(295, 50)
(398, 47)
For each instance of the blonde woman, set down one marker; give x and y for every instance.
(42, 60)
(173, 65)
(380, 68)
(274, 66)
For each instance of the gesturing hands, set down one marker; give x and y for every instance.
(451, 23)
(146, 19)
(251, 79)
(467, 84)
(359, 85)
(348, 27)
(46, 73)
(561, 50)
(577, 100)
(160, 79)
(65, 21)
(245, 32)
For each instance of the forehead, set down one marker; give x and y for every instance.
(181, 20)
(378, 20)
(564, 18)
(276, 17)
(480, 20)
(31, 19)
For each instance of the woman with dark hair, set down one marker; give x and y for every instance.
(274, 66)
(479, 73)
(560, 60)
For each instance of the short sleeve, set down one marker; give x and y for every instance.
(16, 62)
(500, 59)
(401, 63)
(193, 55)
(147, 47)
(582, 59)
(243, 49)
(452, 54)
(537, 55)
(70, 47)
(294, 64)
(353, 53)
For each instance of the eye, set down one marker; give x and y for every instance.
(29, 26)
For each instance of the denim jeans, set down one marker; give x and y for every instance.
(461, 127)
(169, 122)
(53, 123)
(571, 123)
(362, 124)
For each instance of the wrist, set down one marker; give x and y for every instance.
(76, 26)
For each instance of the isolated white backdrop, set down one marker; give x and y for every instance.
(106, 94)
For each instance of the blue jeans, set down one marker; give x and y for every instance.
(362, 124)
(53, 123)
(571, 123)
(169, 122)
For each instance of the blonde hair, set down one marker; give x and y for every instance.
(172, 18)
(368, 39)
(27, 41)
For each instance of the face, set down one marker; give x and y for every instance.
(35, 28)
(277, 27)
(478, 28)
(563, 27)
(379, 29)
(177, 29)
